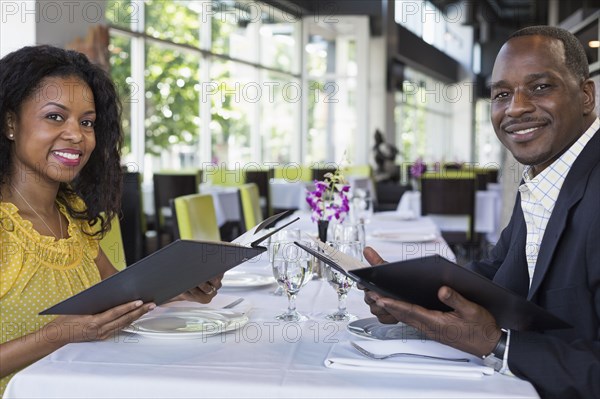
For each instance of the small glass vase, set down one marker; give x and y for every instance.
(323, 225)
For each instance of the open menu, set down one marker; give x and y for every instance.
(170, 271)
(418, 281)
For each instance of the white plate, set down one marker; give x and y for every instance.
(240, 279)
(373, 329)
(398, 236)
(187, 323)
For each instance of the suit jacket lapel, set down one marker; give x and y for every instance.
(571, 192)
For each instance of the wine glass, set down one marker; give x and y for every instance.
(292, 268)
(340, 282)
(282, 235)
(362, 205)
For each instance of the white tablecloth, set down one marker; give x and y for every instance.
(487, 213)
(266, 358)
(286, 194)
(226, 201)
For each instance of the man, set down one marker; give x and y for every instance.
(543, 112)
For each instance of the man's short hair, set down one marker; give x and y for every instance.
(575, 58)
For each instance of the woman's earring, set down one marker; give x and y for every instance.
(11, 136)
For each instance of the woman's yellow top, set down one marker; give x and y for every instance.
(38, 271)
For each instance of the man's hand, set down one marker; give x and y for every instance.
(382, 315)
(468, 327)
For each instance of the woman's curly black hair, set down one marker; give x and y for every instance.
(99, 183)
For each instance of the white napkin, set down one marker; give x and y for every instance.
(344, 356)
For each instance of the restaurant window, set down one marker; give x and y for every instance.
(333, 64)
(210, 78)
(423, 117)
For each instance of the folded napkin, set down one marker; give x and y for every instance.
(344, 356)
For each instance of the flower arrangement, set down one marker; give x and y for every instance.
(418, 168)
(329, 199)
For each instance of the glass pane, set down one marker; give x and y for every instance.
(120, 70)
(123, 13)
(320, 113)
(174, 20)
(172, 120)
(279, 122)
(234, 30)
(317, 51)
(279, 45)
(234, 93)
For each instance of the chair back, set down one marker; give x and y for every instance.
(454, 194)
(196, 218)
(318, 173)
(261, 179)
(250, 206)
(112, 245)
(133, 220)
(169, 185)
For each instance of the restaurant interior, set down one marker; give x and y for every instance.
(235, 92)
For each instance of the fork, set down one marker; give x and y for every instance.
(372, 355)
(233, 304)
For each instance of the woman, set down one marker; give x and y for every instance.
(60, 140)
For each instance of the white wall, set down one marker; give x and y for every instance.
(17, 28)
(377, 94)
(28, 22)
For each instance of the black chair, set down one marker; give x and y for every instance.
(388, 195)
(318, 173)
(133, 220)
(451, 196)
(169, 185)
(261, 179)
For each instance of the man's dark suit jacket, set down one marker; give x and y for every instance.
(559, 363)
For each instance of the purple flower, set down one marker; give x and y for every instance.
(329, 198)
(418, 168)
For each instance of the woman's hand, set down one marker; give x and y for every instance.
(22, 351)
(96, 327)
(204, 293)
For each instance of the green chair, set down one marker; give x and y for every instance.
(112, 245)
(196, 218)
(261, 178)
(250, 206)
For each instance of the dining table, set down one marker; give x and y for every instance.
(263, 357)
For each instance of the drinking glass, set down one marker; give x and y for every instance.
(292, 268)
(289, 235)
(340, 282)
(349, 232)
(362, 205)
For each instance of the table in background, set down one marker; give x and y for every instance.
(288, 194)
(225, 199)
(266, 358)
(487, 213)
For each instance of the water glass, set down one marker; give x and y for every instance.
(362, 206)
(350, 232)
(287, 235)
(292, 268)
(340, 282)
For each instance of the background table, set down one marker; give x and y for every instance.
(266, 358)
(488, 207)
